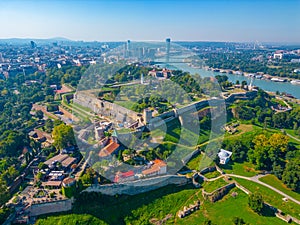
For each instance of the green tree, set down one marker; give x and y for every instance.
(238, 221)
(49, 125)
(4, 194)
(63, 136)
(39, 114)
(88, 177)
(268, 151)
(291, 175)
(255, 202)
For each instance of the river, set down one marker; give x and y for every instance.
(266, 85)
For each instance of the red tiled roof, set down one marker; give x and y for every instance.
(127, 174)
(121, 175)
(109, 149)
(155, 167)
(68, 180)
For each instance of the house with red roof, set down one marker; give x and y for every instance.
(158, 167)
(124, 176)
(110, 149)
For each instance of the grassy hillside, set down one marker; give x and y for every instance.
(71, 219)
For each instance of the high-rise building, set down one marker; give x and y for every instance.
(128, 45)
(1, 58)
(128, 48)
(140, 53)
(168, 43)
(33, 44)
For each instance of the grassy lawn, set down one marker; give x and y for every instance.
(71, 219)
(80, 110)
(138, 209)
(272, 197)
(157, 204)
(244, 169)
(212, 174)
(213, 185)
(276, 183)
(125, 103)
(223, 212)
(76, 105)
(241, 129)
(292, 132)
(194, 163)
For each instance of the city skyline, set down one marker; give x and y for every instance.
(216, 20)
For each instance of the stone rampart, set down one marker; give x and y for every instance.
(50, 207)
(139, 186)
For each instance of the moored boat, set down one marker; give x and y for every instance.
(295, 82)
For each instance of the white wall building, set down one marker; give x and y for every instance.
(224, 156)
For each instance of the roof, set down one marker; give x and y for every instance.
(158, 164)
(53, 183)
(57, 158)
(109, 149)
(127, 174)
(114, 134)
(123, 175)
(68, 180)
(224, 153)
(64, 159)
(68, 161)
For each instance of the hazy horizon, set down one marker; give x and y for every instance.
(209, 20)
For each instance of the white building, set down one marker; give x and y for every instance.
(277, 56)
(224, 156)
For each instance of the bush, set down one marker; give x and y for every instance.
(255, 202)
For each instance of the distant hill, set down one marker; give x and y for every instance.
(37, 40)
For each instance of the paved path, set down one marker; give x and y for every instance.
(297, 139)
(256, 180)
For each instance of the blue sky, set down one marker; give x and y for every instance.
(113, 20)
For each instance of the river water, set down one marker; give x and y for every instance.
(266, 85)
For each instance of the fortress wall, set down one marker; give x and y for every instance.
(139, 186)
(105, 108)
(50, 207)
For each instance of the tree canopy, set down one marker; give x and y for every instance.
(63, 136)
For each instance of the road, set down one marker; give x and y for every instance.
(256, 180)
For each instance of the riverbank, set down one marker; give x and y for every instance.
(291, 90)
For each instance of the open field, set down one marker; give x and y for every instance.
(276, 183)
(223, 212)
(125, 103)
(194, 163)
(138, 209)
(213, 185)
(243, 169)
(272, 197)
(147, 207)
(166, 202)
(213, 174)
(71, 219)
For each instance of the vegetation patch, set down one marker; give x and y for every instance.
(271, 197)
(227, 210)
(276, 183)
(137, 209)
(71, 219)
(213, 185)
(244, 169)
